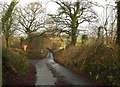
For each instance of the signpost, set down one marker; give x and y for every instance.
(25, 47)
(42, 50)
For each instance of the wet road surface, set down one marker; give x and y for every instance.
(49, 72)
(44, 75)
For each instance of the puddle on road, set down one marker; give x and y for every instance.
(60, 79)
(68, 75)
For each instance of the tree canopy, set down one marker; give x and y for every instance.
(30, 17)
(71, 15)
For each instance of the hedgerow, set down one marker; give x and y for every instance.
(15, 59)
(98, 60)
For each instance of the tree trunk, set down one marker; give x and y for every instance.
(7, 44)
(73, 37)
(118, 29)
(73, 40)
(106, 34)
(74, 26)
(118, 24)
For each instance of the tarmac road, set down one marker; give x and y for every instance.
(51, 73)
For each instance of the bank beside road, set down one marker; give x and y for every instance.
(51, 73)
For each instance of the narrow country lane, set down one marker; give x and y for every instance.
(51, 73)
(44, 75)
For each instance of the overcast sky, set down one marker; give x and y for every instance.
(52, 7)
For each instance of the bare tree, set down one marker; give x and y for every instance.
(106, 22)
(30, 18)
(71, 15)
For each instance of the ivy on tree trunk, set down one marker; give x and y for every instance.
(7, 22)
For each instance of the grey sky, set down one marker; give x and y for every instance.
(52, 7)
